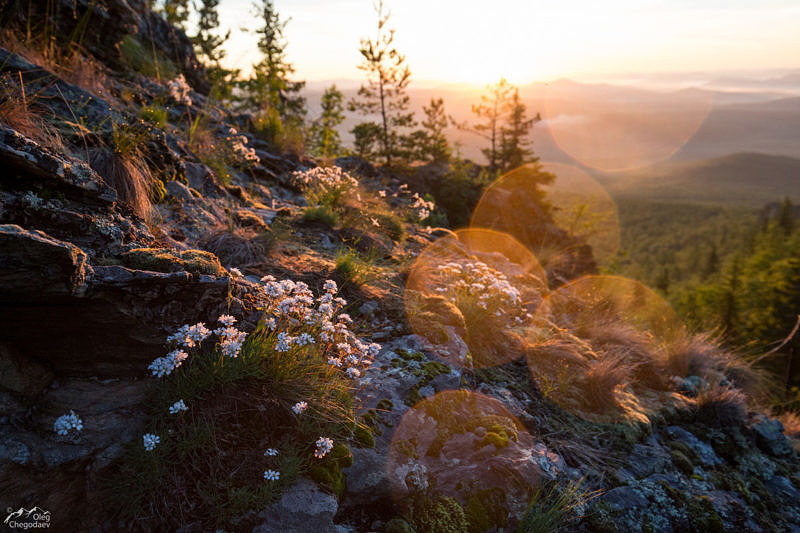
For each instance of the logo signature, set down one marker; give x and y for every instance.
(35, 518)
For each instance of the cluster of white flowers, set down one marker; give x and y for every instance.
(325, 179)
(230, 338)
(177, 407)
(190, 336)
(150, 441)
(179, 91)
(244, 154)
(477, 283)
(271, 452)
(163, 366)
(272, 475)
(66, 423)
(299, 407)
(324, 445)
(422, 207)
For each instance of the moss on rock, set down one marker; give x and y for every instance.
(164, 260)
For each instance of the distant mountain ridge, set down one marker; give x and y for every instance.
(746, 178)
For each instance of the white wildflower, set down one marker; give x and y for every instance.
(177, 407)
(272, 475)
(271, 452)
(163, 366)
(353, 373)
(68, 422)
(299, 407)
(179, 91)
(324, 445)
(150, 441)
(226, 320)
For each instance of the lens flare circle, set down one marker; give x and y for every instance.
(559, 212)
(467, 291)
(611, 131)
(602, 348)
(458, 442)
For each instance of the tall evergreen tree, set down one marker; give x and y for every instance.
(384, 94)
(490, 111)
(515, 143)
(207, 41)
(325, 139)
(434, 145)
(270, 89)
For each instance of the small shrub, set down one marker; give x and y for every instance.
(146, 60)
(553, 507)
(321, 214)
(353, 268)
(268, 126)
(277, 389)
(438, 514)
(154, 114)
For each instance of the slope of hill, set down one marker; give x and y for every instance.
(747, 179)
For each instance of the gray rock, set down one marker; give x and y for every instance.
(782, 488)
(179, 190)
(35, 267)
(21, 374)
(705, 453)
(624, 498)
(301, 509)
(646, 460)
(770, 437)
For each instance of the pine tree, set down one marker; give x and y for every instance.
(176, 12)
(207, 42)
(325, 138)
(434, 146)
(515, 144)
(384, 94)
(491, 110)
(786, 216)
(270, 89)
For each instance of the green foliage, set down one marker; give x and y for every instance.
(384, 95)
(438, 514)
(270, 89)
(514, 135)
(154, 114)
(322, 214)
(352, 267)
(486, 509)
(147, 61)
(325, 140)
(553, 507)
(363, 437)
(207, 43)
(175, 11)
(434, 145)
(198, 463)
(397, 525)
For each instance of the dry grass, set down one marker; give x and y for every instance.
(71, 63)
(128, 174)
(238, 246)
(720, 405)
(598, 384)
(17, 111)
(703, 356)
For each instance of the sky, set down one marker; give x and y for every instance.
(476, 42)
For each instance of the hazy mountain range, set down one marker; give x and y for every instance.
(726, 138)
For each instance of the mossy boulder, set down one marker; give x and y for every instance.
(438, 514)
(165, 260)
